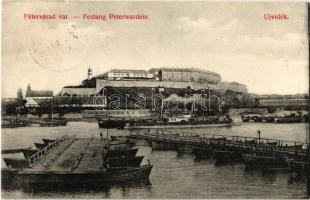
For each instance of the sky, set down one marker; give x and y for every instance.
(230, 38)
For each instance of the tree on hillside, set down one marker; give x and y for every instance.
(19, 94)
(20, 98)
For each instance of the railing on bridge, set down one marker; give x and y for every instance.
(46, 149)
(259, 144)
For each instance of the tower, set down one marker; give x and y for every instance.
(89, 74)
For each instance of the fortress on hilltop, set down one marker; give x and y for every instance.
(175, 78)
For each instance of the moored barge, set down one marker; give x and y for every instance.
(121, 153)
(253, 161)
(124, 161)
(53, 164)
(27, 177)
(109, 123)
(52, 123)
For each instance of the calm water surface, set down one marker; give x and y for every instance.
(173, 175)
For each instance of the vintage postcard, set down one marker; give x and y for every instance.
(154, 100)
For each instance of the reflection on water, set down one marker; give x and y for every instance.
(77, 188)
(174, 175)
(76, 191)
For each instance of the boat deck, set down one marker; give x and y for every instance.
(75, 154)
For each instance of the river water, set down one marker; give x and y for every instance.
(174, 175)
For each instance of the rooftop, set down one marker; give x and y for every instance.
(190, 69)
(127, 71)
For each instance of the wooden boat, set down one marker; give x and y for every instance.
(227, 156)
(268, 119)
(30, 178)
(40, 146)
(16, 163)
(92, 170)
(111, 123)
(289, 119)
(13, 123)
(124, 162)
(11, 151)
(253, 161)
(251, 118)
(257, 118)
(121, 153)
(47, 141)
(29, 152)
(245, 118)
(202, 152)
(13, 178)
(52, 123)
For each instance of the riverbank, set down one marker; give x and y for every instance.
(186, 126)
(67, 117)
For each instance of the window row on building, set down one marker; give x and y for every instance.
(190, 74)
(114, 74)
(283, 102)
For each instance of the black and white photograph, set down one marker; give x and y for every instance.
(154, 100)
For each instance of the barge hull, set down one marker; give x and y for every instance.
(125, 162)
(121, 153)
(66, 177)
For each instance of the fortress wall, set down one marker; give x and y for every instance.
(167, 84)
